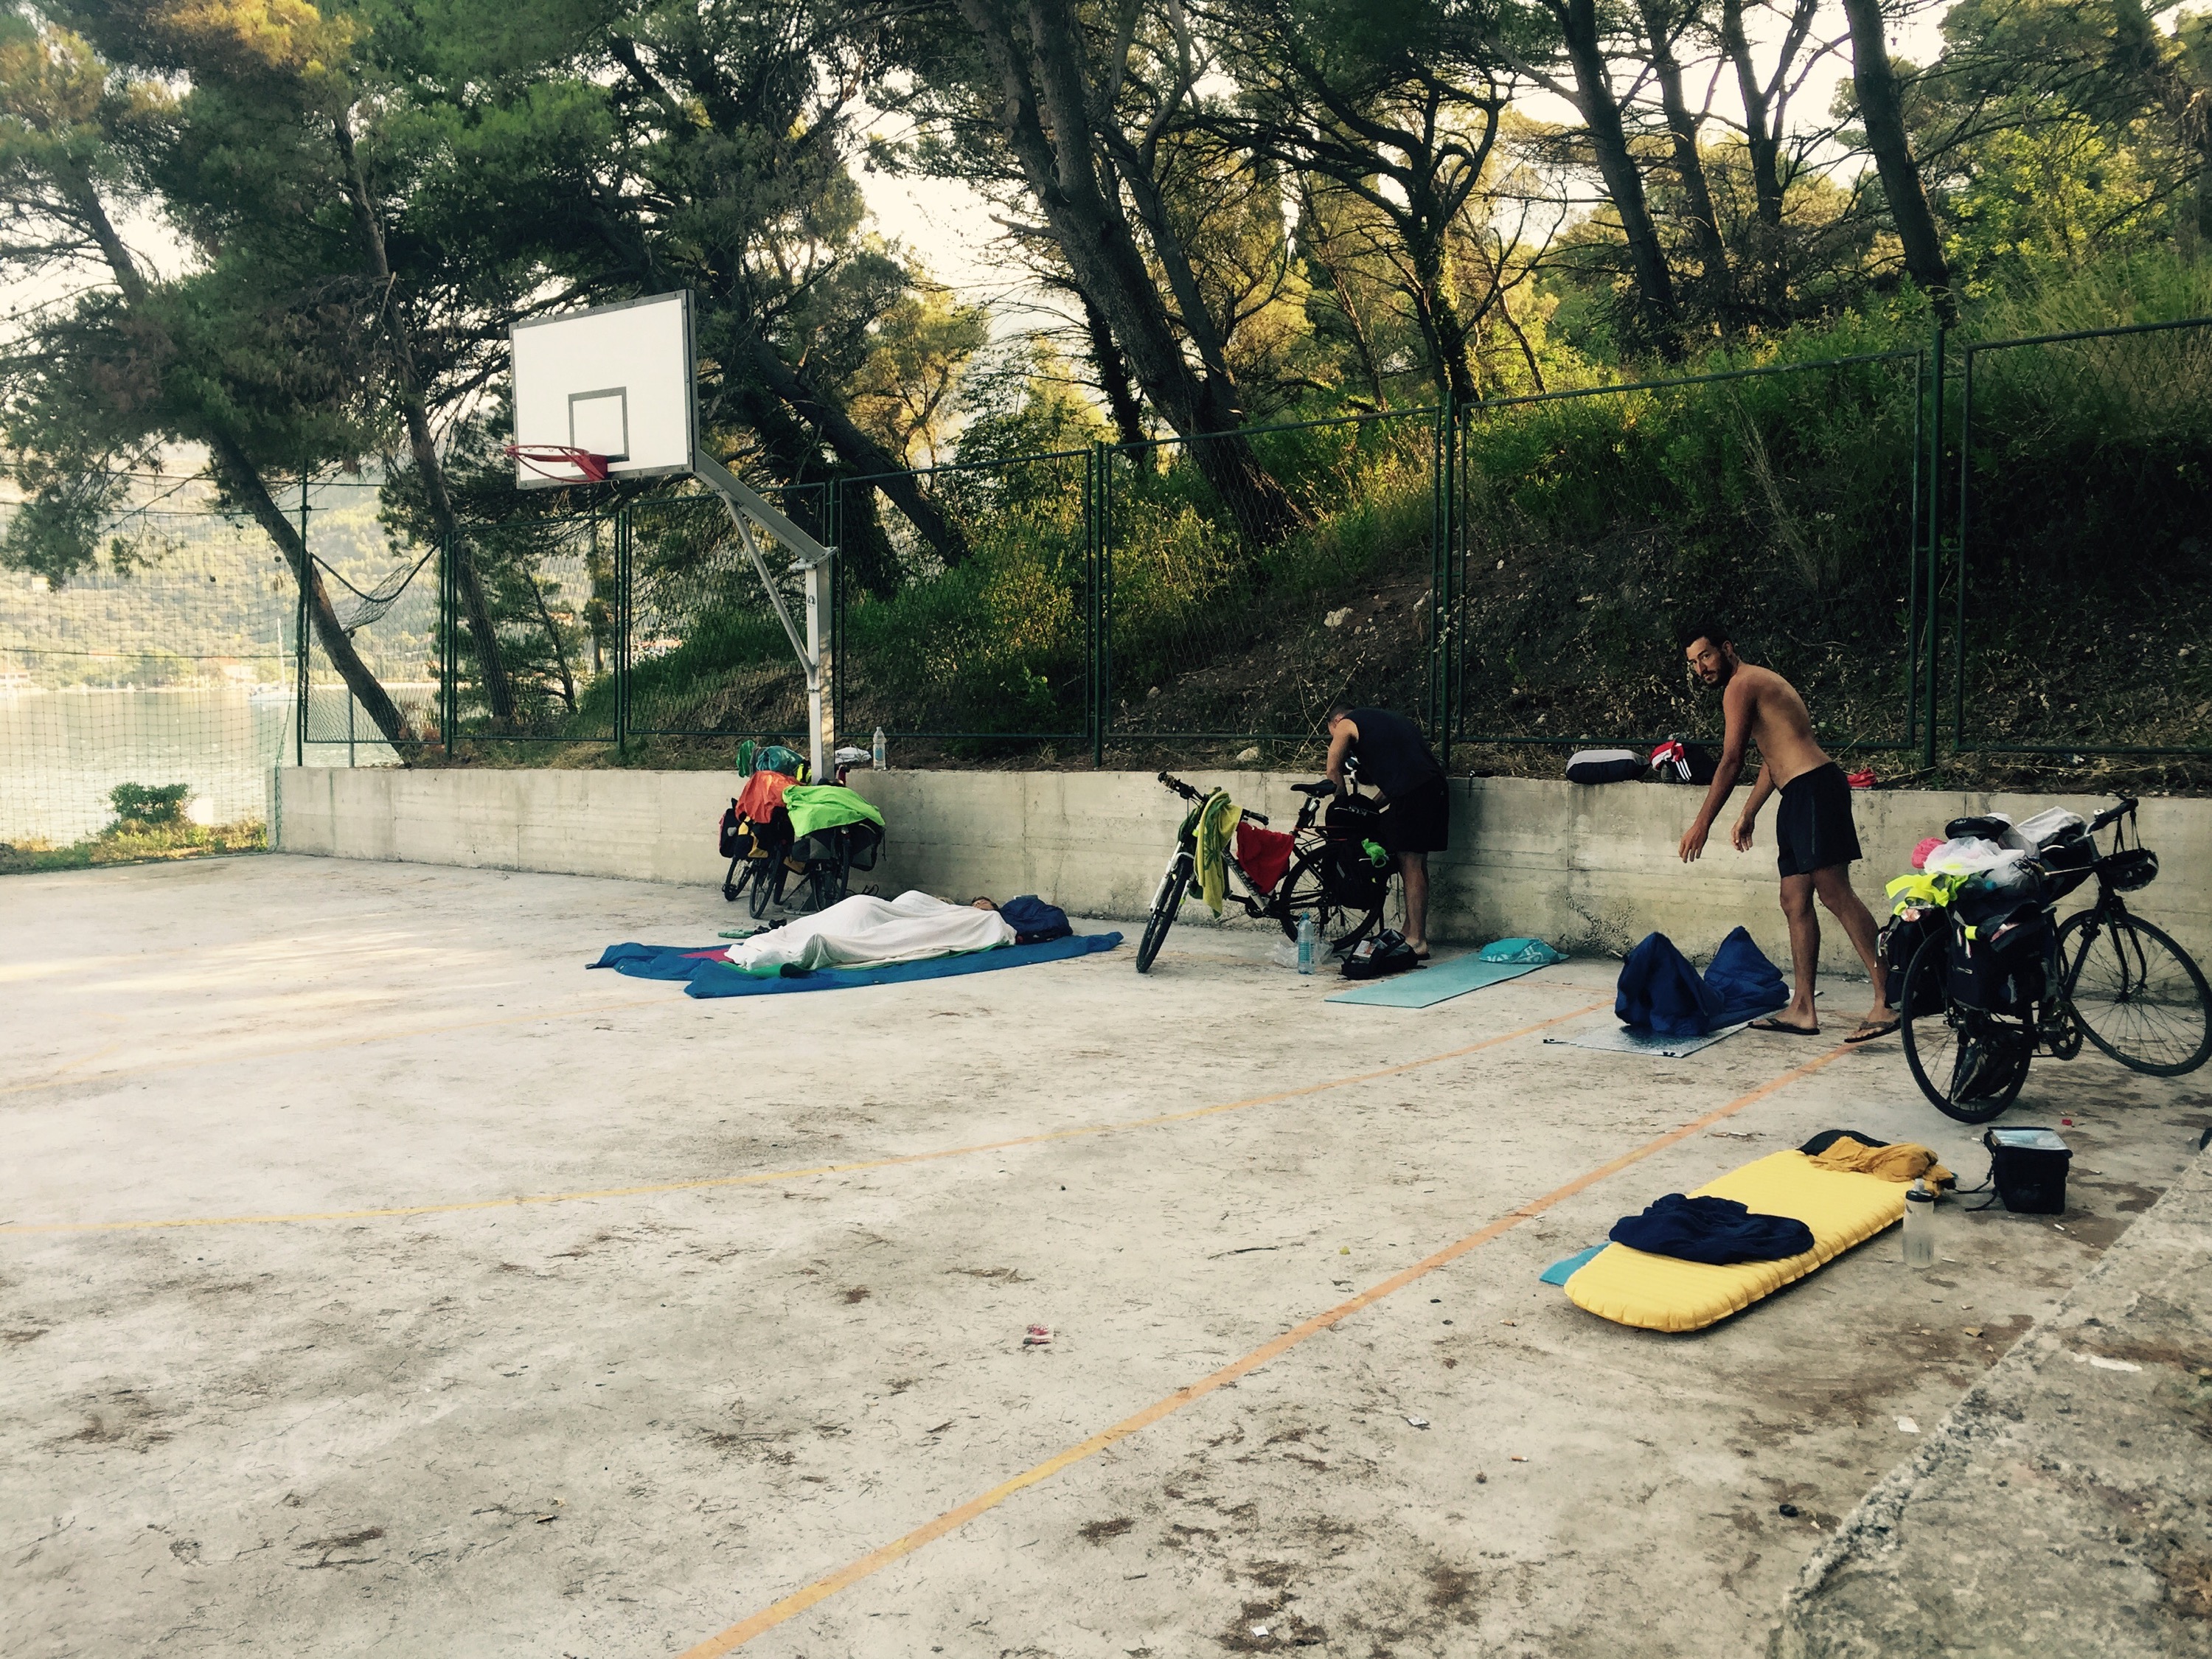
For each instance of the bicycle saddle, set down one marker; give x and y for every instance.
(1324, 787)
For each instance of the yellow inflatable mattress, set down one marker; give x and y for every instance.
(1661, 1293)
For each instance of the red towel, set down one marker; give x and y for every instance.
(763, 795)
(1263, 854)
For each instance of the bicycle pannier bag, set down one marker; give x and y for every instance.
(1377, 958)
(1359, 869)
(1901, 939)
(737, 837)
(2027, 1166)
(1999, 968)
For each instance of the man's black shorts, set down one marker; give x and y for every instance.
(1418, 820)
(1812, 826)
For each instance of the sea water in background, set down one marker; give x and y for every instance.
(61, 751)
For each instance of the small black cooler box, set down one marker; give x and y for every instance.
(2028, 1167)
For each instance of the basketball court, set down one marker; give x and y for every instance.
(375, 1278)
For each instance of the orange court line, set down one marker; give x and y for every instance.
(952, 1520)
(764, 1176)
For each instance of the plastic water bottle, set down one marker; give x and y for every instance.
(877, 748)
(1308, 939)
(1920, 1226)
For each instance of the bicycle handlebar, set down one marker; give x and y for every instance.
(2128, 804)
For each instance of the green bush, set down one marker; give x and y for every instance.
(149, 805)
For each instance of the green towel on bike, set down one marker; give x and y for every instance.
(1216, 822)
(816, 807)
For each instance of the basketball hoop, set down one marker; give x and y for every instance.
(541, 458)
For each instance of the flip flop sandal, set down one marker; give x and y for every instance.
(1870, 1028)
(1779, 1028)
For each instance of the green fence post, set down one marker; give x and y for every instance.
(622, 604)
(1440, 520)
(450, 666)
(1958, 575)
(1934, 549)
(833, 532)
(1101, 517)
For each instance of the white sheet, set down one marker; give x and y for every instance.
(864, 932)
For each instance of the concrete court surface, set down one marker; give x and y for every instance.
(623, 1422)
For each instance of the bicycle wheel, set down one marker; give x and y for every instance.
(1970, 1064)
(768, 886)
(2135, 994)
(735, 878)
(1309, 887)
(1165, 905)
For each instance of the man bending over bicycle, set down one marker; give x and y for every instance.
(1394, 761)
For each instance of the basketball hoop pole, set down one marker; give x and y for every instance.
(751, 514)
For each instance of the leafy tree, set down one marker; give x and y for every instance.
(257, 363)
(1077, 108)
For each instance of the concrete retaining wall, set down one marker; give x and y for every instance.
(1571, 863)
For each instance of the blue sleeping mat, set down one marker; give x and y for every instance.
(1439, 982)
(710, 977)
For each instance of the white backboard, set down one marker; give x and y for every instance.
(616, 381)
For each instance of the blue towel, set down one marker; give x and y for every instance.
(1718, 1231)
(1520, 950)
(711, 977)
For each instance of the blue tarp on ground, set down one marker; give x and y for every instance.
(711, 976)
(1660, 992)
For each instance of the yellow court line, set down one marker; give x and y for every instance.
(764, 1176)
(56, 1080)
(952, 1520)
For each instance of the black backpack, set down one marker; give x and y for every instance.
(1377, 957)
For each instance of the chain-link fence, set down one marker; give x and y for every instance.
(2082, 602)
(545, 591)
(1999, 549)
(707, 654)
(966, 602)
(1781, 503)
(177, 679)
(1252, 577)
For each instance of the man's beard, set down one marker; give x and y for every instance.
(1720, 682)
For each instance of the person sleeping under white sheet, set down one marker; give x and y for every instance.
(865, 931)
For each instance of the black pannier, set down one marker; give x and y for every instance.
(2000, 967)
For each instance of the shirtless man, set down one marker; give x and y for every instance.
(1812, 827)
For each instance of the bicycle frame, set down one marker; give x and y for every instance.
(1258, 906)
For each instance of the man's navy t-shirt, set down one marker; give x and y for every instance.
(1392, 756)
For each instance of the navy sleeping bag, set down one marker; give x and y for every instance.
(1748, 985)
(1660, 992)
